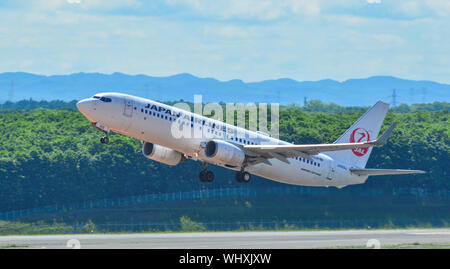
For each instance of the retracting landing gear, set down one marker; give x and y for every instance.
(206, 175)
(243, 177)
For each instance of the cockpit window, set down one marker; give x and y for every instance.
(106, 99)
(96, 97)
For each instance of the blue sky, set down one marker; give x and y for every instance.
(251, 40)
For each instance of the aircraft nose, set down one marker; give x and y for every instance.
(84, 105)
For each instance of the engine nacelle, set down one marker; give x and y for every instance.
(224, 153)
(161, 154)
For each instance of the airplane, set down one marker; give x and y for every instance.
(338, 164)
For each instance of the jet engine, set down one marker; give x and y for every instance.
(161, 154)
(224, 153)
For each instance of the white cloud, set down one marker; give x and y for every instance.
(440, 7)
(249, 9)
(374, 1)
(53, 5)
(412, 8)
(304, 40)
(389, 39)
(422, 8)
(109, 4)
(227, 31)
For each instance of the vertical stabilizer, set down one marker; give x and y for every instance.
(364, 129)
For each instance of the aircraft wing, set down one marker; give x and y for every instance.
(261, 153)
(381, 172)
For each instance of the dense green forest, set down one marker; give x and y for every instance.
(54, 157)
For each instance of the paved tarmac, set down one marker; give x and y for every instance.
(232, 240)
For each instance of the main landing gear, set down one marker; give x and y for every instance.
(206, 175)
(243, 177)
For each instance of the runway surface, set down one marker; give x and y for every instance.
(234, 240)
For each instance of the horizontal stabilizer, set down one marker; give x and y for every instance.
(384, 137)
(381, 172)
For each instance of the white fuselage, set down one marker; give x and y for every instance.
(154, 122)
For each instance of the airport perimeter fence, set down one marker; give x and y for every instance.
(218, 226)
(217, 194)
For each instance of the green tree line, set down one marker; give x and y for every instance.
(311, 106)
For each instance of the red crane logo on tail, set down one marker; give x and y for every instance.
(360, 135)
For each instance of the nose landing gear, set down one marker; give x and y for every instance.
(104, 140)
(104, 129)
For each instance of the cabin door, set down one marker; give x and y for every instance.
(128, 110)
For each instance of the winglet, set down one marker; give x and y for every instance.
(384, 137)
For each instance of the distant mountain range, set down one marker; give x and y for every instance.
(352, 92)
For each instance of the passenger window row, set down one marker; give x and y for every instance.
(243, 141)
(307, 161)
(158, 115)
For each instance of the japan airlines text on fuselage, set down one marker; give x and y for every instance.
(232, 147)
